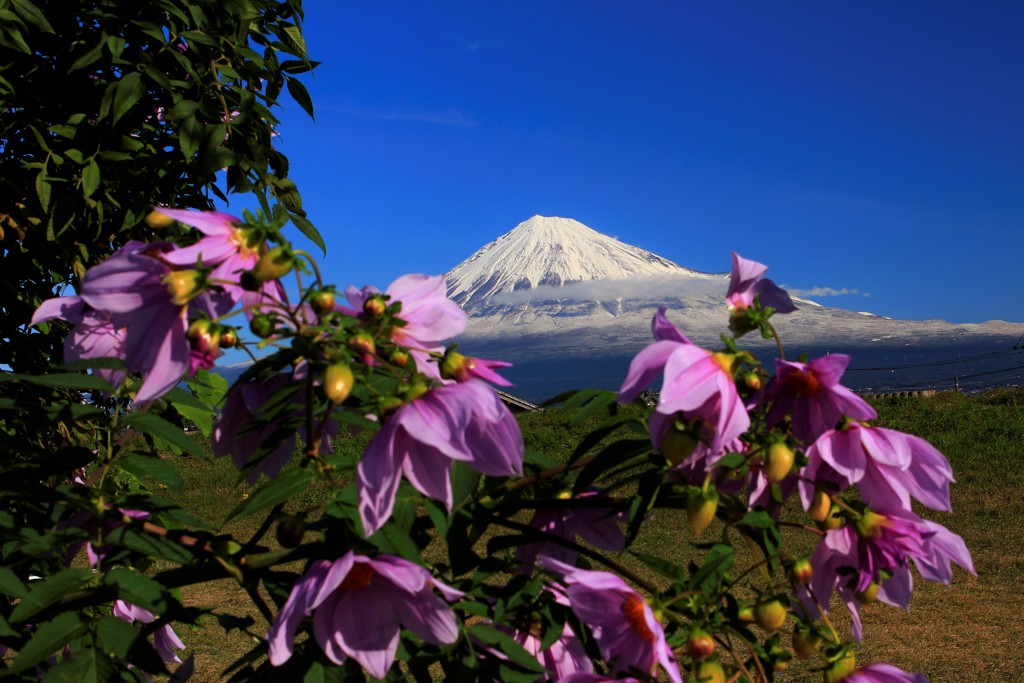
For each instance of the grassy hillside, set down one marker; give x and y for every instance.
(968, 631)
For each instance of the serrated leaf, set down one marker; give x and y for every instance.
(47, 591)
(284, 486)
(11, 585)
(599, 402)
(151, 467)
(299, 93)
(162, 430)
(89, 56)
(309, 230)
(48, 639)
(208, 387)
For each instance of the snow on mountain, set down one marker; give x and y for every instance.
(555, 287)
(551, 252)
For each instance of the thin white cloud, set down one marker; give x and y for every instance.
(826, 291)
(451, 117)
(649, 287)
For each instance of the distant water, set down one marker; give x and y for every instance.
(970, 367)
(873, 370)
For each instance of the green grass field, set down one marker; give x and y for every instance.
(971, 630)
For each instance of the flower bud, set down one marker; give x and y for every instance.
(322, 301)
(751, 380)
(204, 336)
(290, 530)
(415, 390)
(262, 325)
(455, 366)
(363, 343)
(770, 614)
(399, 358)
(868, 595)
(739, 322)
(805, 642)
(375, 306)
(869, 525)
(778, 462)
(338, 382)
(157, 219)
(801, 572)
(228, 337)
(841, 667)
(821, 505)
(679, 442)
(700, 645)
(700, 509)
(711, 671)
(833, 520)
(274, 265)
(184, 285)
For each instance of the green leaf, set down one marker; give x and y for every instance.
(164, 431)
(191, 408)
(89, 56)
(281, 488)
(47, 591)
(717, 564)
(599, 402)
(43, 190)
(293, 35)
(130, 90)
(488, 635)
(299, 93)
(62, 380)
(90, 178)
(670, 570)
(138, 589)
(32, 15)
(10, 584)
(309, 230)
(48, 639)
(151, 467)
(208, 387)
(151, 544)
(116, 636)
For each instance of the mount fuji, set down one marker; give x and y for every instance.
(570, 306)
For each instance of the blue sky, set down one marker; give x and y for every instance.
(875, 148)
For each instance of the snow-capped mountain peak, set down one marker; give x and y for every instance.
(551, 251)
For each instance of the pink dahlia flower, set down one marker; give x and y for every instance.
(812, 395)
(359, 607)
(697, 384)
(165, 640)
(747, 282)
(877, 550)
(592, 520)
(889, 467)
(429, 315)
(230, 248)
(465, 421)
(624, 625)
(883, 673)
(94, 334)
(243, 428)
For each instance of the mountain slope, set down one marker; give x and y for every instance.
(551, 252)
